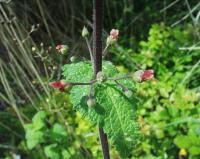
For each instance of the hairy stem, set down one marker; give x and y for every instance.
(97, 50)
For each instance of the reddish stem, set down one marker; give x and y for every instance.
(97, 50)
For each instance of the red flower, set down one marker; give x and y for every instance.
(114, 33)
(60, 85)
(147, 75)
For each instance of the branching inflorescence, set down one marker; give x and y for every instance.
(138, 76)
(98, 97)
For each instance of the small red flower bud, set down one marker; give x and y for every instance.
(140, 76)
(112, 38)
(62, 49)
(114, 33)
(60, 85)
(147, 75)
(58, 47)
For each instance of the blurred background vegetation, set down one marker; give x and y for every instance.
(37, 122)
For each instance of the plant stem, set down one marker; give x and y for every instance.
(121, 85)
(105, 50)
(97, 50)
(81, 83)
(104, 143)
(120, 78)
(90, 50)
(97, 35)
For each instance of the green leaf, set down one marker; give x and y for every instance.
(164, 93)
(52, 151)
(65, 154)
(114, 111)
(59, 129)
(182, 141)
(41, 115)
(194, 150)
(33, 137)
(194, 139)
(119, 119)
(82, 72)
(58, 133)
(38, 120)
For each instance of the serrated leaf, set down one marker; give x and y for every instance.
(114, 111)
(82, 72)
(120, 118)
